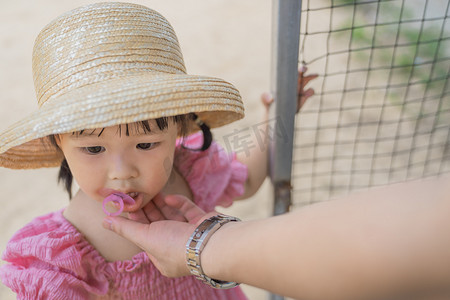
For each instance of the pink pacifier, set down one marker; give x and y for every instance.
(118, 198)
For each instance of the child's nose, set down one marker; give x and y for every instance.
(122, 168)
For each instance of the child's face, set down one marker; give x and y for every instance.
(138, 163)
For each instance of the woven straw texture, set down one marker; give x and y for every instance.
(107, 64)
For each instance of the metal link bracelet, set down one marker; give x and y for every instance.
(197, 242)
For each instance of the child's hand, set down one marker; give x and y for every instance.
(302, 95)
(303, 80)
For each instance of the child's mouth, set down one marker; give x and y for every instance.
(122, 201)
(133, 195)
(138, 199)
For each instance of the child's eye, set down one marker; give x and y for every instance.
(145, 146)
(94, 149)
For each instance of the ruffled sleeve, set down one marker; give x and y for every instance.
(29, 283)
(44, 261)
(214, 176)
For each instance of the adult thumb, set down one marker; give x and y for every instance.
(133, 231)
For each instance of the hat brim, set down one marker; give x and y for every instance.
(120, 101)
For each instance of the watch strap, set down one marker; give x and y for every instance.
(197, 243)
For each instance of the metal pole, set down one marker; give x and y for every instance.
(285, 48)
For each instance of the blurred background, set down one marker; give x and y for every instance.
(229, 39)
(381, 112)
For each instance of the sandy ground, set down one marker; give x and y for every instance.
(224, 38)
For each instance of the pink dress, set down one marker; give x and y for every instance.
(50, 259)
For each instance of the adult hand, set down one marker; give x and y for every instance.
(172, 219)
(400, 257)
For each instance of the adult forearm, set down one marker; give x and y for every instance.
(394, 241)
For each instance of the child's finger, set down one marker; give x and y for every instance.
(308, 93)
(304, 80)
(267, 99)
(308, 78)
(302, 69)
(303, 97)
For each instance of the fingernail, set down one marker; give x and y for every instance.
(267, 96)
(107, 223)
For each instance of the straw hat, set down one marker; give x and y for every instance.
(107, 64)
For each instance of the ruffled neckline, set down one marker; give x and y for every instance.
(86, 248)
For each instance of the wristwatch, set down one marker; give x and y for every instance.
(197, 242)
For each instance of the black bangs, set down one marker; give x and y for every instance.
(137, 127)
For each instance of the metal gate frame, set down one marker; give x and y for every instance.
(284, 76)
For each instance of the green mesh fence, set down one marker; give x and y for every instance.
(381, 112)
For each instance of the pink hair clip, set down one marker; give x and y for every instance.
(118, 198)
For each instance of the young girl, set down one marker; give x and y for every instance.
(119, 114)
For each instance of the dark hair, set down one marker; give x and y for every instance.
(65, 174)
(207, 135)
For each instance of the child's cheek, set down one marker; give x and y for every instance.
(167, 166)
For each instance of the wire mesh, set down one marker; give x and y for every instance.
(381, 109)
